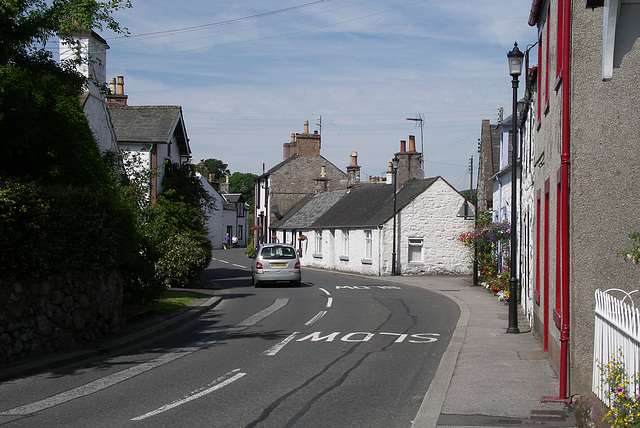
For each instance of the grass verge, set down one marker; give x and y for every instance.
(172, 300)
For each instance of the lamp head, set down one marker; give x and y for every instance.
(395, 161)
(515, 61)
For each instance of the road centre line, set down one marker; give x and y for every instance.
(276, 348)
(329, 302)
(325, 292)
(132, 371)
(240, 266)
(223, 382)
(254, 319)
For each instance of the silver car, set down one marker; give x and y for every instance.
(276, 262)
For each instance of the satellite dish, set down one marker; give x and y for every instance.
(418, 174)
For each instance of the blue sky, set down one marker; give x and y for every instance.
(249, 73)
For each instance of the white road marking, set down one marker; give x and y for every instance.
(240, 266)
(325, 292)
(316, 318)
(215, 387)
(123, 375)
(97, 385)
(254, 319)
(275, 349)
(329, 302)
(223, 261)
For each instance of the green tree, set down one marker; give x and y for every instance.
(243, 182)
(216, 168)
(26, 25)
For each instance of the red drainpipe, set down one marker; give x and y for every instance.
(565, 162)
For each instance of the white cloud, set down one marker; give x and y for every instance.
(365, 66)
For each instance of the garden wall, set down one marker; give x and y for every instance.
(41, 317)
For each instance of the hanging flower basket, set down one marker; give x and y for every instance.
(302, 238)
(254, 227)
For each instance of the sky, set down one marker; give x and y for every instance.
(249, 73)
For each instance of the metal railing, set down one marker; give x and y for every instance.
(616, 335)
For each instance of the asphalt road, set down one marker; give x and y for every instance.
(340, 351)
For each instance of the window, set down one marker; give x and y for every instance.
(239, 231)
(240, 209)
(368, 242)
(318, 242)
(345, 243)
(415, 250)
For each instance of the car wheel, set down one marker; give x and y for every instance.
(254, 282)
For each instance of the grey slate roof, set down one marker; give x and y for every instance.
(369, 205)
(145, 124)
(309, 210)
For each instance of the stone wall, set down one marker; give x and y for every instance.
(41, 317)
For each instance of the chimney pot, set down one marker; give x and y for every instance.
(120, 87)
(354, 159)
(112, 86)
(403, 146)
(306, 126)
(412, 143)
(293, 137)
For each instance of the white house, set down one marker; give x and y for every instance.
(157, 135)
(352, 230)
(91, 50)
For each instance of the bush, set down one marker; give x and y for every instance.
(58, 230)
(183, 261)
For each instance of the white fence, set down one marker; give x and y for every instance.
(617, 333)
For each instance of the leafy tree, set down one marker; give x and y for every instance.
(45, 134)
(26, 25)
(243, 182)
(215, 167)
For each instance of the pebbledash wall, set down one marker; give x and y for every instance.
(42, 317)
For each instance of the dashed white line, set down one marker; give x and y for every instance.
(240, 266)
(123, 375)
(275, 349)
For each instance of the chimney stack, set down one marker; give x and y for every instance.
(322, 183)
(116, 94)
(403, 146)
(353, 171)
(307, 144)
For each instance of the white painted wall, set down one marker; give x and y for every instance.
(215, 223)
(431, 217)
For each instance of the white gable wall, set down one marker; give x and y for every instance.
(431, 218)
(215, 221)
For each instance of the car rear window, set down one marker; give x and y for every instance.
(278, 253)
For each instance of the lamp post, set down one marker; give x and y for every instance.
(515, 69)
(394, 163)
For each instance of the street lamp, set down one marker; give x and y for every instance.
(394, 163)
(515, 69)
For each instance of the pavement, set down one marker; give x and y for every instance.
(487, 378)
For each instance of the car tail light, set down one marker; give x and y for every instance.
(297, 266)
(258, 265)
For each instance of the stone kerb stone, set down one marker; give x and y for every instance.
(41, 317)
